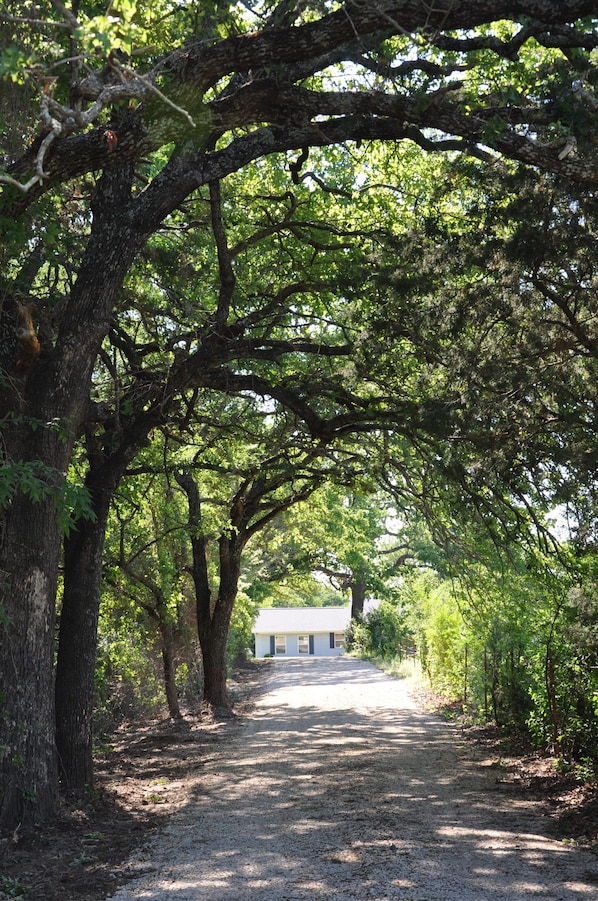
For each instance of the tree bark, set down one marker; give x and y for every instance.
(78, 636)
(196, 66)
(213, 623)
(29, 571)
(213, 612)
(83, 564)
(169, 666)
(357, 598)
(76, 660)
(29, 558)
(213, 638)
(52, 404)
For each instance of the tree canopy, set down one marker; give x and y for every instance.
(510, 80)
(349, 213)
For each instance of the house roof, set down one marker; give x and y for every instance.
(285, 620)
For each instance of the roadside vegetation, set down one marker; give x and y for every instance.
(515, 649)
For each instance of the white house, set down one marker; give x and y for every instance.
(301, 631)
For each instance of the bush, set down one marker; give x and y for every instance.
(380, 633)
(357, 638)
(128, 680)
(240, 635)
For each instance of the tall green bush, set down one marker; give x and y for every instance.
(128, 676)
(240, 635)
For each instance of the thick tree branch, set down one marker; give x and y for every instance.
(65, 149)
(227, 275)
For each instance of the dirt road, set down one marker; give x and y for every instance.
(339, 787)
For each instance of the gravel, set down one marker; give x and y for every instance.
(339, 786)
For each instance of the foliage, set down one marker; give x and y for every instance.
(440, 635)
(128, 679)
(514, 644)
(293, 589)
(147, 584)
(382, 632)
(39, 482)
(339, 538)
(330, 268)
(13, 888)
(240, 636)
(500, 333)
(564, 689)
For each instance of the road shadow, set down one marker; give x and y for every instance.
(339, 787)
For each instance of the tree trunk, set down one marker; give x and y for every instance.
(53, 398)
(29, 571)
(78, 638)
(213, 638)
(77, 645)
(213, 623)
(30, 545)
(168, 661)
(213, 614)
(213, 626)
(357, 598)
(552, 703)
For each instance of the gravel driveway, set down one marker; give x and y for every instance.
(339, 787)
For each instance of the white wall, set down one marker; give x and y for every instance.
(321, 646)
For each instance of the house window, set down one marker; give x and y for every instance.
(339, 639)
(280, 644)
(303, 644)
